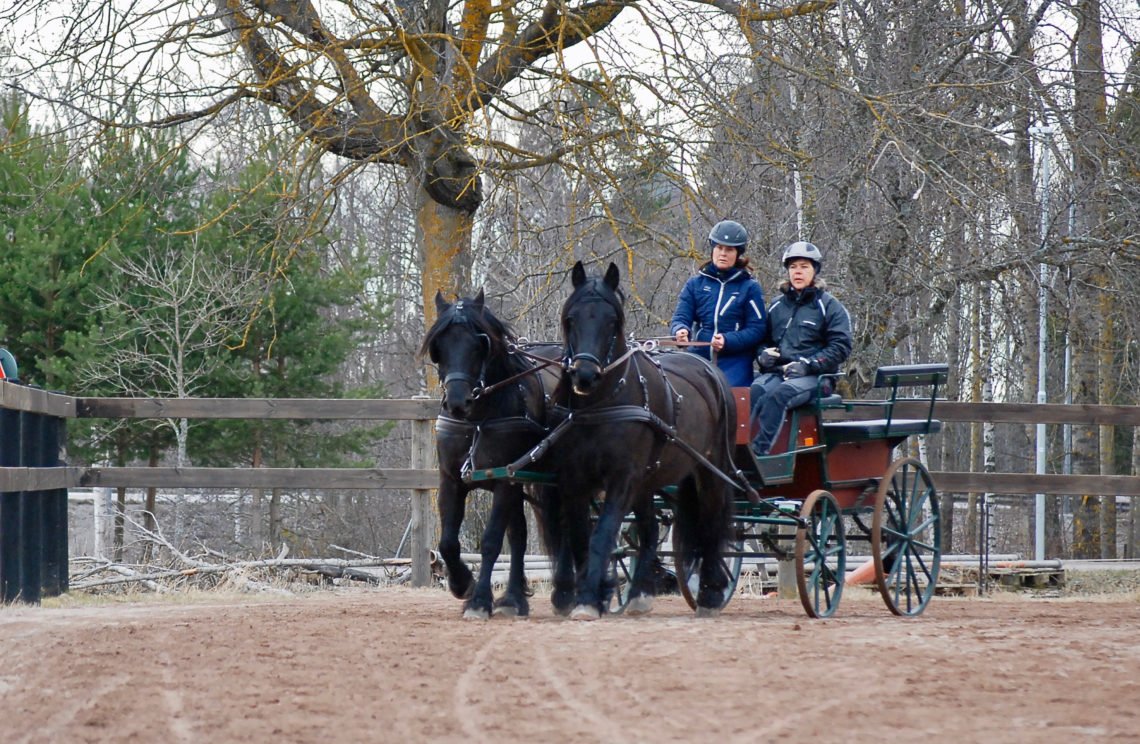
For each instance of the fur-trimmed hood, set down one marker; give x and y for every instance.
(819, 283)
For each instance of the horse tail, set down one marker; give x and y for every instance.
(547, 515)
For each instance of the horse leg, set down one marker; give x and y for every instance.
(514, 602)
(589, 601)
(479, 605)
(713, 504)
(574, 530)
(452, 502)
(644, 580)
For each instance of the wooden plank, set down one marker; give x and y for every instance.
(1030, 483)
(999, 413)
(38, 479)
(291, 478)
(258, 408)
(34, 400)
(35, 479)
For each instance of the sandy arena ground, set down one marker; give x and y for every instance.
(399, 665)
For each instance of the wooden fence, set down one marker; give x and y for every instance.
(30, 479)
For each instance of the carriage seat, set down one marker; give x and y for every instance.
(893, 377)
(852, 431)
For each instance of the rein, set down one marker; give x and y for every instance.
(542, 363)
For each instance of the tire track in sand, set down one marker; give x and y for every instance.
(61, 726)
(548, 684)
(180, 728)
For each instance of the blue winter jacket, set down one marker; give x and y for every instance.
(729, 302)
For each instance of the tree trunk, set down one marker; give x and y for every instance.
(120, 522)
(1107, 394)
(445, 237)
(150, 521)
(973, 545)
(256, 504)
(1089, 124)
(1132, 544)
(275, 518)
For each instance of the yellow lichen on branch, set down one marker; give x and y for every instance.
(473, 31)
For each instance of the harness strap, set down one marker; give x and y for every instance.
(637, 414)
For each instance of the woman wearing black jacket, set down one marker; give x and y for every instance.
(809, 334)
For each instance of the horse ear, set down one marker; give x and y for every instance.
(440, 303)
(478, 301)
(578, 275)
(613, 276)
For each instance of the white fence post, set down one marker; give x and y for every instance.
(423, 518)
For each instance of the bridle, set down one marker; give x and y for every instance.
(605, 365)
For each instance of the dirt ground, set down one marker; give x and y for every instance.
(399, 665)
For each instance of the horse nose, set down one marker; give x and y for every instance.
(585, 377)
(458, 405)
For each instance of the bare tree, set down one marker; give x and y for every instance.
(423, 85)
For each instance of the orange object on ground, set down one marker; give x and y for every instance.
(865, 574)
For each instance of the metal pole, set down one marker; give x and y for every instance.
(1042, 319)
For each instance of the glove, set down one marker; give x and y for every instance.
(795, 369)
(768, 358)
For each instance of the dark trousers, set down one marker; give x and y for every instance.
(772, 395)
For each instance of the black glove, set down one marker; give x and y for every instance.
(798, 368)
(768, 358)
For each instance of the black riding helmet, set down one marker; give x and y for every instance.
(730, 233)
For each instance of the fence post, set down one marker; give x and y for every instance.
(10, 508)
(423, 520)
(31, 510)
(55, 551)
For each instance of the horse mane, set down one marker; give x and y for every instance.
(595, 287)
(466, 311)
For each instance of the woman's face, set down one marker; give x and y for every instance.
(723, 256)
(800, 273)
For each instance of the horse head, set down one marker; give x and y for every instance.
(593, 327)
(461, 344)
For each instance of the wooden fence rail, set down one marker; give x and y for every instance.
(422, 476)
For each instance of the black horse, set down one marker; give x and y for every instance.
(493, 410)
(639, 422)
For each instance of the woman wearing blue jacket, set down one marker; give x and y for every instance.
(724, 306)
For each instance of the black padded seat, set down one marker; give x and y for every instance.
(857, 431)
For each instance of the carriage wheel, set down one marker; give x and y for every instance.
(906, 537)
(821, 554)
(731, 559)
(622, 565)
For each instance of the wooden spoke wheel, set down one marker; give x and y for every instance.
(821, 555)
(906, 537)
(731, 559)
(625, 558)
(622, 565)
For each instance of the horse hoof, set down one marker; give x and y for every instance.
(562, 611)
(642, 604)
(475, 613)
(585, 612)
(708, 611)
(507, 611)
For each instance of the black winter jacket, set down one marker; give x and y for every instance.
(811, 325)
